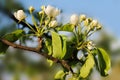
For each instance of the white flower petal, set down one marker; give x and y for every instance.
(52, 11)
(74, 19)
(20, 15)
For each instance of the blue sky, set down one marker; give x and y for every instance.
(106, 11)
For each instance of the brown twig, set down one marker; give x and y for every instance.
(62, 62)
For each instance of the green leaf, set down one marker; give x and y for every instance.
(57, 46)
(70, 36)
(67, 27)
(50, 62)
(104, 62)
(64, 43)
(59, 75)
(12, 37)
(48, 44)
(88, 65)
(66, 47)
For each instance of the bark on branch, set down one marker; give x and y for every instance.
(62, 62)
(37, 50)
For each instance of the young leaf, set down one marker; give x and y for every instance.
(50, 62)
(57, 46)
(67, 27)
(70, 36)
(64, 46)
(104, 62)
(12, 37)
(48, 44)
(88, 65)
(59, 75)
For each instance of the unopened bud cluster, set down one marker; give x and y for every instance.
(92, 24)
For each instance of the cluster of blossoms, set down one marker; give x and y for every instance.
(50, 11)
(53, 12)
(75, 20)
(65, 41)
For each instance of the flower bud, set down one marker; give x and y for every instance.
(74, 19)
(51, 11)
(41, 12)
(20, 15)
(87, 21)
(31, 9)
(80, 55)
(82, 17)
(94, 23)
(90, 45)
(53, 23)
(98, 27)
(42, 7)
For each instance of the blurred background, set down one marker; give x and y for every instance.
(25, 65)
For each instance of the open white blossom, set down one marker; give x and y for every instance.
(20, 15)
(56, 12)
(53, 23)
(74, 19)
(52, 11)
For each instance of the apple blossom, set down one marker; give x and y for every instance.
(52, 11)
(74, 19)
(20, 15)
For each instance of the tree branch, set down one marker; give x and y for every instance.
(37, 50)
(62, 62)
